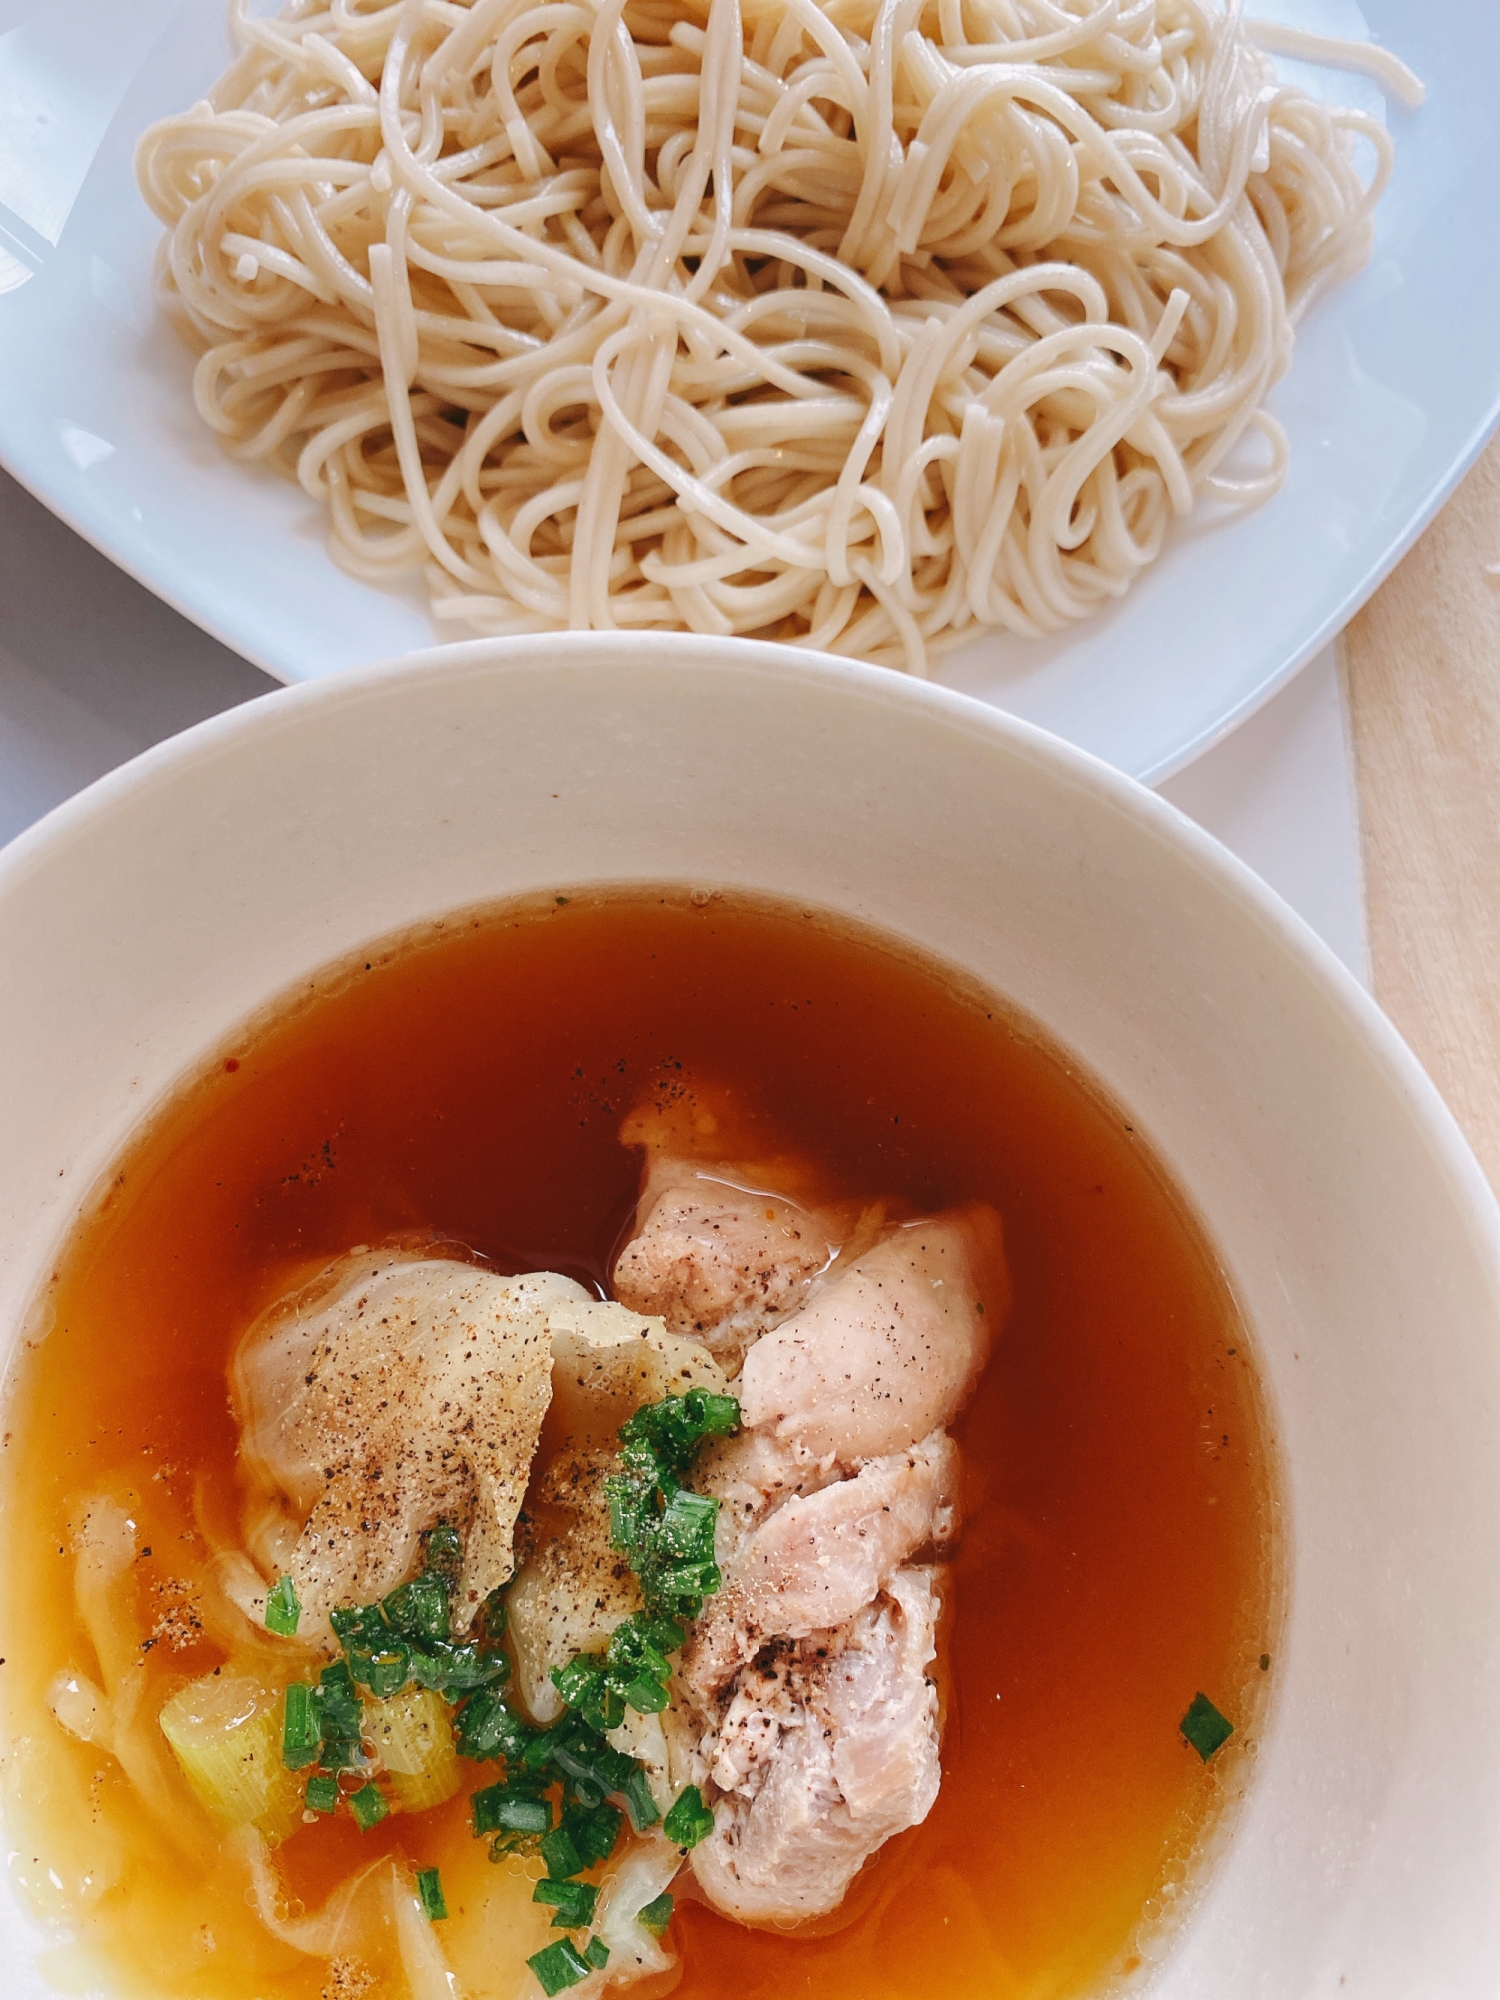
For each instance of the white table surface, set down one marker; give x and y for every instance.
(94, 669)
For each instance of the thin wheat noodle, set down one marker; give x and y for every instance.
(865, 325)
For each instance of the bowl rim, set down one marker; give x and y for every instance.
(1288, 933)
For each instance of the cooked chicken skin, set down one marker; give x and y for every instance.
(888, 1351)
(717, 1260)
(828, 1747)
(820, 1558)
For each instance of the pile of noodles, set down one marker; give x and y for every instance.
(861, 324)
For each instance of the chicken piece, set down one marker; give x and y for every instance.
(821, 1558)
(716, 1259)
(891, 1348)
(405, 1391)
(825, 1751)
(751, 1475)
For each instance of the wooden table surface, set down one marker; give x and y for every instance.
(1422, 663)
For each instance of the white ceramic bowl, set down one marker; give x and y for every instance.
(139, 923)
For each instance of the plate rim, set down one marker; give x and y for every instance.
(169, 578)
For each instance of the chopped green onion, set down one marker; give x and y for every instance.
(593, 1831)
(579, 1681)
(342, 1719)
(643, 1809)
(339, 1702)
(583, 1757)
(408, 1635)
(419, 1610)
(667, 1532)
(358, 1625)
(523, 1816)
(690, 1820)
(283, 1611)
(488, 1727)
(430, 1890)
(383, 1671)
(559, 1966)
(560, 1854)
(657, 1914)
(322, 1792)
(672, 1430)
(596, 1951)
(1205, 1728)
(686, 1527)
(368, 1806)
(301, 1728)
(573, 1902)
(459, 1670)
(647, 1697)
(665, 1634)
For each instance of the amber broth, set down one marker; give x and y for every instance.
(1118, 1550)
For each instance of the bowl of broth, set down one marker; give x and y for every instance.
(679, 1320)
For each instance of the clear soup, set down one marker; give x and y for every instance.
(469, 1082)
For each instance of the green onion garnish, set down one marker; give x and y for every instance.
(368, 1806)
(596, 1951)
(672, 1430)
(656, 1915)
(1205, 1728)
(686, 1527)
(593, 1831)
(636, 1792)
(690, 1820)
(572, 1902)
(341, 1718)
(419, 1609)
(489, 1727)
(559, 1966)
(665, 1530)
(301, 1728)
(407, 1636)
(560, 1854)
(283, 1611)
(430, 1890)
(322, 1792)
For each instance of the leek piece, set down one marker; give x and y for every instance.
(412, 1735)
(225, 1731)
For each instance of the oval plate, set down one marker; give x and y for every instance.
(1394, 387)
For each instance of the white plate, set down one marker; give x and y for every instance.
(1395, 385)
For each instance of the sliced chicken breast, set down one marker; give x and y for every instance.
(820, 1558)
(827, 1748)
(891, 1348)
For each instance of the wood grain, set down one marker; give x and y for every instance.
(1422, 664)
